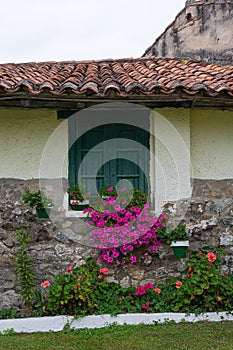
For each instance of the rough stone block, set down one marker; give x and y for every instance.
(226, 239)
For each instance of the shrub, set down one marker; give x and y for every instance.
(80, 291)
(205, 287)
(8, 313)
(83, 291)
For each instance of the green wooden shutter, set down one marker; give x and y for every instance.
(118, 168)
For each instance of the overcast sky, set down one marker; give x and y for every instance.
(57, 30)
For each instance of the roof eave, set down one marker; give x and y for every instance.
(77, 102)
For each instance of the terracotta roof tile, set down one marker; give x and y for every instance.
(146, 75)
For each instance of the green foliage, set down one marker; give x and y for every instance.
(105, 191)
(133, 197)
(78, 192)
(169, 336)
(24, 267)
(72, 292)
(84, 290)
(66, 329)
(139, 199)
(9, 332)
(37, 199)
(205, 287)
(168, 234)
(8, 313)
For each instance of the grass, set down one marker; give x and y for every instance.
(170, 336)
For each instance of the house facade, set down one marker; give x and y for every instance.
(162, 124)
(185, 112)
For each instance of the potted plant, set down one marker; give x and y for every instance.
(78, 197)
(178, 238)
(40, 201)
(107, 191)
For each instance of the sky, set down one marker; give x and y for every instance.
(64, 30)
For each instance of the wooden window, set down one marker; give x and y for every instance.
(108, 153)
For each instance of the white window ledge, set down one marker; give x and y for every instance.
(71, 213)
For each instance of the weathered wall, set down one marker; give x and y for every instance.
(23, 136)
(56, 244)
(201, 31)
(212, 144)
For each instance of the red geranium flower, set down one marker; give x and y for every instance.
(104, 270)
(211, 256)
(190, 271)
(157, 290)
(69, 268)
(178, 284)
(45, 284)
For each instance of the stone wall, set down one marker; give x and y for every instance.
(201, 31)
(56, 244)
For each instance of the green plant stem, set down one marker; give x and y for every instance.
(24, 268)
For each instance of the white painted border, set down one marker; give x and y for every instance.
(180, 244)
(57, 323)
(71, 213)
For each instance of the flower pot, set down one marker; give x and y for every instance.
(180, 248)
(43, 213)
(78, 206)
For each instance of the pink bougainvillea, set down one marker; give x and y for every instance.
(118, 231)
(110, 189)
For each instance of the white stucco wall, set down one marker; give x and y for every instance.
(207, 134)
(170, 168)
(23, 136)
(212, 144)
